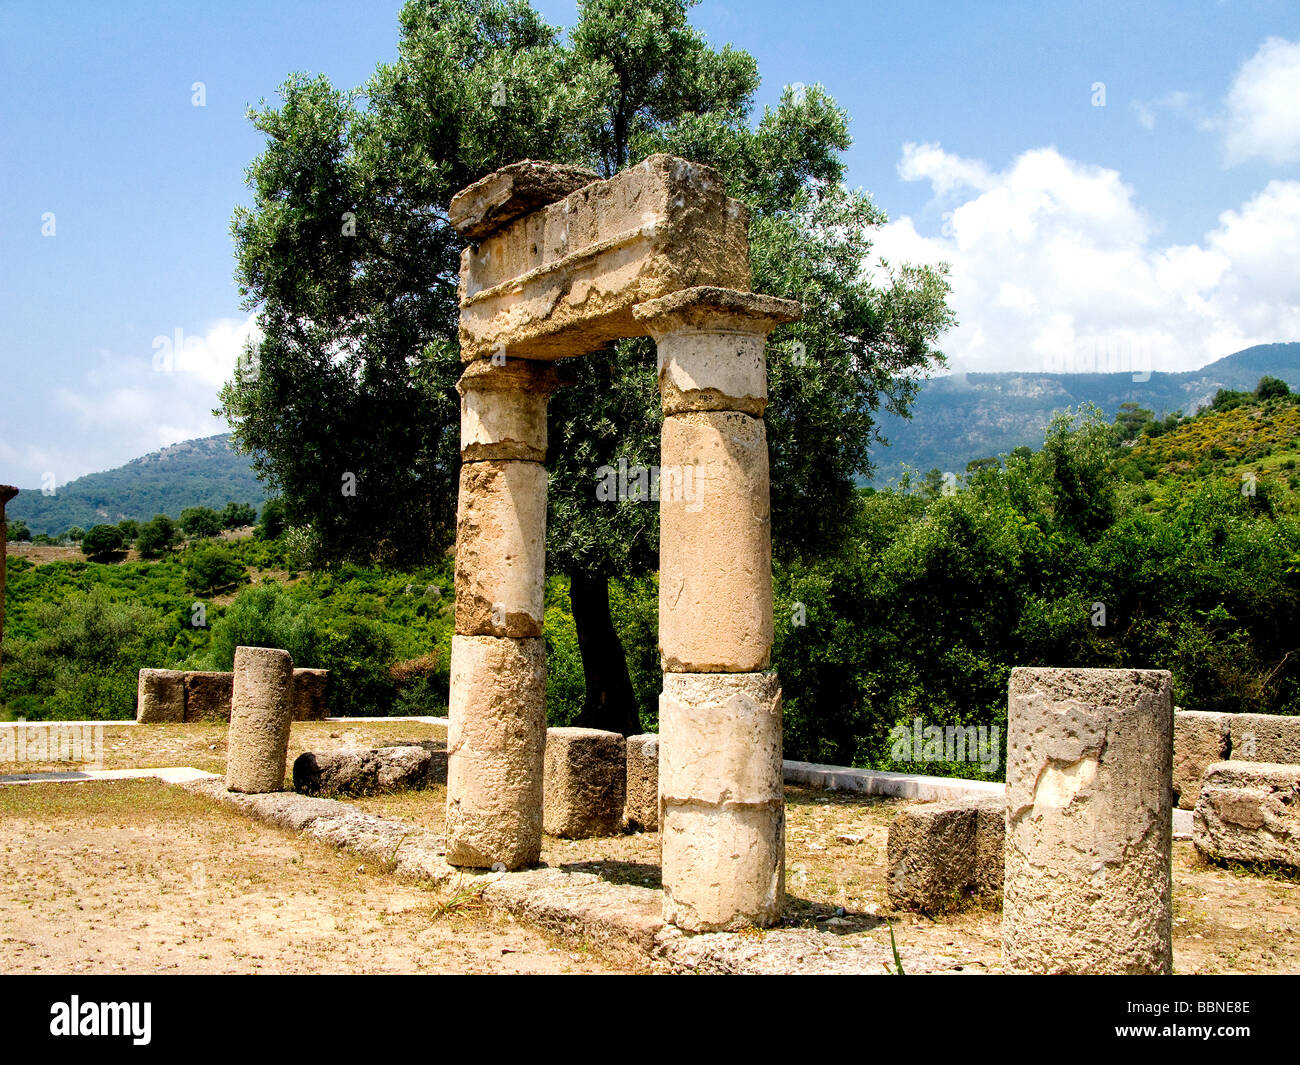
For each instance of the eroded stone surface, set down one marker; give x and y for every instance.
(496, 741)
(494, 201)
(722, 802)
(1200, 740)
(1265, 738)
(503, 409)
(945, 855)
(261, 713)
(207, 696)
(1089, 786)
(310, 694)
(501, 549)
(363, 772)
(563, 280)
(1249, 812)
(160, 696)
(641, 812)
(715, 545)
(585, 783)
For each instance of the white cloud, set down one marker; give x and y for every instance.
(1176, 102)
(127, 405)
(1262, 112)
(1054, 269)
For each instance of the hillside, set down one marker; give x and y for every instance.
(962, 417)
(193, 473)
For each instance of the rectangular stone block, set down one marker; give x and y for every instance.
(562, 281)
(1087, 883)
(946, 855)
(160, 696)
(585, 783)
(493, 202)
(310, 694)
(715, 545)
(496, 742)
(1200, 740)
(207, 696)
(1265, 738)
(641, 813)
(1249, 812)
(503, 409)
(501, 549)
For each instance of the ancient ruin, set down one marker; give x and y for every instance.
(1087, 885)
(562, 264)
(261, 712)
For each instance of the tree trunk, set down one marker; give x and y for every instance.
(610, 702)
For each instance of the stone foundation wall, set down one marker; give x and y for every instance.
(172, 695)
(1202, 739)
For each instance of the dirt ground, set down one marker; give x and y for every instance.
(142, 877)
(1225, 920)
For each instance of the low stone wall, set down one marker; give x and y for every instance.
(172, 695)
(1249, 812)
(945, 855)
(1202, 739)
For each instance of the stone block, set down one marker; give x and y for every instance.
(160, 696)
(207, 696)
(363, 772)
(715, 547)
(585, 783)
(945, 855)
(496, 741)
(722, 804)
(1265, 738)
(261, 713)
(310, 694)
(501, 549)
(503, 409)
(1249, 812)
(1087, 885)
(1200, 739)
(641, 812)
(493, 202)
(562, 281)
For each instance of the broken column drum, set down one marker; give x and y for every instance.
(563, 263)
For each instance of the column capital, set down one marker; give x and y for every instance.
(511, 375)
(7, 492)
(707, 307)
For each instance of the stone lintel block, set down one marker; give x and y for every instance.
(261, 713)
(585, 783)
(562, 281)
(641, 812)
(1249, 812)
(160, 696)
(501, 549)
(1200, 739)
(496, 742)
(503, 409)
(715, 544)
(1088, 794)
(944, 855)
(310, 694)
(721, 739)
(1265, 738)
(207, 695)
(364, 772)
(492, 202)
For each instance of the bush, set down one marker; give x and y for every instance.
(157, 537)
(209, 570)
(199, 522)
(102, 541)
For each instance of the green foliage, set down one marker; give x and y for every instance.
(76, 533)
(234, 515)
(212, 569)
(1271, 388)
(272, 522)
(157, 536)
(130, 529)
(198, 522)
(17, 532)
(102, 541)
(82, 662)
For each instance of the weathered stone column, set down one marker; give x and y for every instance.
(261, 714)
(7, 492)
(496, 736)
(1089, 796)
(722, 811)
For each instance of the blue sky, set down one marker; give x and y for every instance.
(1160, 230)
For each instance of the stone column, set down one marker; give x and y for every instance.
(496, 735)
(722, 810)
(7, 492)
(1089, 803)
(261, 715)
